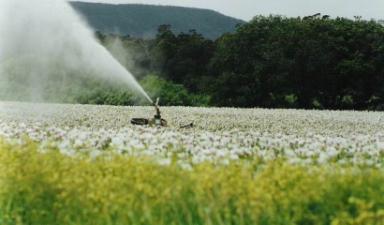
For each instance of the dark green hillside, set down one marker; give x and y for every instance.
(143, 20)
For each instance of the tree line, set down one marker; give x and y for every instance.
(273, 62)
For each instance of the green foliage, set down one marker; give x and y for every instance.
(316, 104)
(184, 57)
(170, 93)
(269, 62)
(338, 62)
(273, 62)
(291, 100)
(50, 188)
(106, 96)
(347, 101)
(277, 62)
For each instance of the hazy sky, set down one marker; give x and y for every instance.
(246, 9)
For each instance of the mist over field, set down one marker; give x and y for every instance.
(48, 52)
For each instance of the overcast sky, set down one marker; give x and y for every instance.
(246, 9)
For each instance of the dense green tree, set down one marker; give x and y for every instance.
(333, 63)
(171, 93)
(312, 62)
(184, 57)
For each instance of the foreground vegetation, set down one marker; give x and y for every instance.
(84, 164)
(50, 188)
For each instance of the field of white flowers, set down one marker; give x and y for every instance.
(83, 164)
(220, 135)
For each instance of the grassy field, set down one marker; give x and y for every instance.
(72, 164)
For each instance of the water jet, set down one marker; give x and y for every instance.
(46, 40)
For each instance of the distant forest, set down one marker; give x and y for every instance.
(272, 62)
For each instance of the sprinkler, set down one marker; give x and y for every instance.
(155, 121)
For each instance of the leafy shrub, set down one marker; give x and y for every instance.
(291, 100)
(171, 93)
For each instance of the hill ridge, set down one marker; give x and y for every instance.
(142, 20)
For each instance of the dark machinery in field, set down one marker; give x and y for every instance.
(155, 121)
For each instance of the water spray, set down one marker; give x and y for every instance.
(46, 40)
(157, 117)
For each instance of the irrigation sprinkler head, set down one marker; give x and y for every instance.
(155, 121)
(158, 121)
